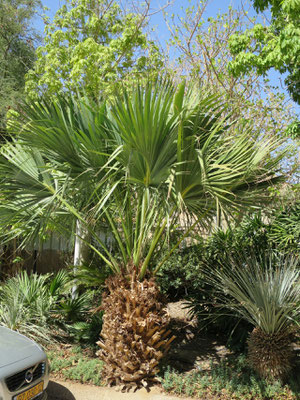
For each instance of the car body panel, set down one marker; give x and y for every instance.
(17, 354)
(22, 349)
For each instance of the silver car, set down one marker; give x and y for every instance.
(24, 371)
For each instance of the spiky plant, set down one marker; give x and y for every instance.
(137, 167)
(266, 293)
(28, 303)
(24, 305)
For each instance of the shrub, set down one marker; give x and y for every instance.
(180, 276)
(285, 229)
(265, 292)
(42, 307)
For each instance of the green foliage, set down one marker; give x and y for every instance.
(85, 372)
(134, 166)
(92, 275)
(285, 229)
(41, 307)
(276, 45)
(181, 275)
(229, 379)
(264, 291)
(249, 237)
(17, 44)
(87, 331)
(25, 306)
(75, 364)
(92, 47)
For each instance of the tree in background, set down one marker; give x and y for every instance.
(275, 46)
(93, 46)
(203, 54)
(17, 46)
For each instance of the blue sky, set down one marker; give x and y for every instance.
(157, 20)
(177, 8)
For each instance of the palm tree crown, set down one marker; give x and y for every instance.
(138, 165)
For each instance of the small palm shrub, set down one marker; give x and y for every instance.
(25, 305)
(42, 307)
(265, 292)
(87, 331)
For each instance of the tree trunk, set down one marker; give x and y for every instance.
(135, 331)
(81, 249)
(271, 354)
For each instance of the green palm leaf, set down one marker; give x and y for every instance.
(139, 166)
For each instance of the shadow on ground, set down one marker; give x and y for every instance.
(56, 391)
(193, 350)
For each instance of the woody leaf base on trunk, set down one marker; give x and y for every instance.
(135, 333)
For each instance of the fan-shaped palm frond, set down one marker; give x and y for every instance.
(153, 158)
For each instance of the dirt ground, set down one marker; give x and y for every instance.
(191, 349)
(59, 390)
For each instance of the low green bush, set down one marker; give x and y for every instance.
(285, 228)
(181, 275)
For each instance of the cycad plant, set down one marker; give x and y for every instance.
(264, 291)
(138, 166)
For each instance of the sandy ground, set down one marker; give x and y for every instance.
(59, 390)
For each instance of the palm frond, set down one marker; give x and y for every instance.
(139, 165)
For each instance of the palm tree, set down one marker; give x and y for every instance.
(138, 165)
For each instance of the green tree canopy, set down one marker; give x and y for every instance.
(17, 46)
(203, 56)
(275, 46)
(93, 45)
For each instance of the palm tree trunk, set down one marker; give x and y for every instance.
(135, 333)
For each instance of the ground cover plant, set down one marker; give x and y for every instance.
(229, 379)
(75, 363)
